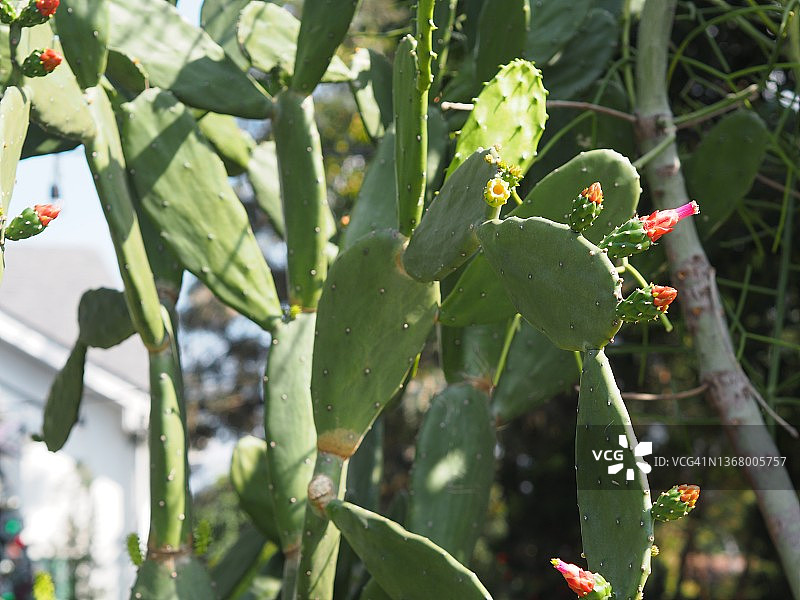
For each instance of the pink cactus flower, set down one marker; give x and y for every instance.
(662, 221)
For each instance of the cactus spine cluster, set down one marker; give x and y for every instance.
(139, 100)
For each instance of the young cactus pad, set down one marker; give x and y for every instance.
(404, 564)
(372, 321)
(613, 501)
(445, 238)
(509, 112)
(558, 280)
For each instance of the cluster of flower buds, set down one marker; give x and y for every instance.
(31, 221)
(37, 12)
(588, 585)
(639, 233)
(645, 304)
(41, 62)
(498, 189)
(586, 207)
(676, 502)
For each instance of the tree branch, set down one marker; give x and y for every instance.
(729, 389)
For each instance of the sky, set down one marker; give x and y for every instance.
(81, 222)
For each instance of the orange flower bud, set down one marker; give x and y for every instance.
(689, 494)
(579, 581)
(50, 60)
(47, 8)
(663, 296)
(594, 193)
(46, 212)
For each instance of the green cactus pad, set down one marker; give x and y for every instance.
(552, 197)
(372, 321)
(585, 55)
(502, 30)
(250, 480)
(472, 353)
(186, 578)
(83, 28)
(103, 318)
(477, 298)
(232, 144)
(167, 270)
(39, 142)
(445, 238)
(183, 58)
(616, 527)
(453, 470)
(553, 23)
(289, 424)
(185, 192)
(126, 74)
(376, 204)
(107, 163)
(304, 196)
(558, 280)
(404, 564)
(372, 90)
(322, 29)
(719, 174)
(241, 561)
(669, 506)
(57, 101)
(411, 135)
(535, 371)
(263, 174)
(219, 19)
(268, 35)
(509, 112)
(64, 400)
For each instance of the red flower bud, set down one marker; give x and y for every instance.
(579, 581)
(662, 221)
(50, 60)
(663, 296)
(47, 8)
(689, 494)
(594, 193)
(46, 212)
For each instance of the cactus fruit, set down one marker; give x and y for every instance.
(638, 234)
(588, 585)
(586, 208)
(37, 12)
(404, 564)
(645, 304)
(31, 221)
(676, 502)
(8, 12)
(540, 263)
(41, 62)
